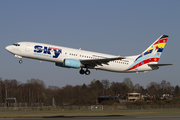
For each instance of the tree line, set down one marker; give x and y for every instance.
(35, 91)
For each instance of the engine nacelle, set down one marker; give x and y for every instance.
(70, 63)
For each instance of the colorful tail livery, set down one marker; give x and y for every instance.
(77, 58)
(151, 55)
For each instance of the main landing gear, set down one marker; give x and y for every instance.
(87, 72)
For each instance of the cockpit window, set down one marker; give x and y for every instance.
(16, 44)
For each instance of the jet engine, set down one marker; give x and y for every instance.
(70, 63)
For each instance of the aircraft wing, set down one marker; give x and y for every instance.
(95, 62)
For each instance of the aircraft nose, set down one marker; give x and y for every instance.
(8, 48)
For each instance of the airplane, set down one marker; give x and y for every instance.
(81, 59)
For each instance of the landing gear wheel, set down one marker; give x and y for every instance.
(81, 71)
(87, 72)
(20, 61)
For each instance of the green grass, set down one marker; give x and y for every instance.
(14, 114)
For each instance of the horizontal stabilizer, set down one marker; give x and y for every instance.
(158, 65)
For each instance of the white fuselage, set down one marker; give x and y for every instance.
(57, 54)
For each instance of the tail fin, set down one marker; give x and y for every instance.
(153, 53)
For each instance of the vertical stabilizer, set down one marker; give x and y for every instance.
(154, 51)
(151, 55)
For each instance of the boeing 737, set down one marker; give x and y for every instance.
(81, 59)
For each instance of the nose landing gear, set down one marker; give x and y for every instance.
(87, 72)
(20, 61)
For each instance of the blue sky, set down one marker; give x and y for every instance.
(118, 27)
